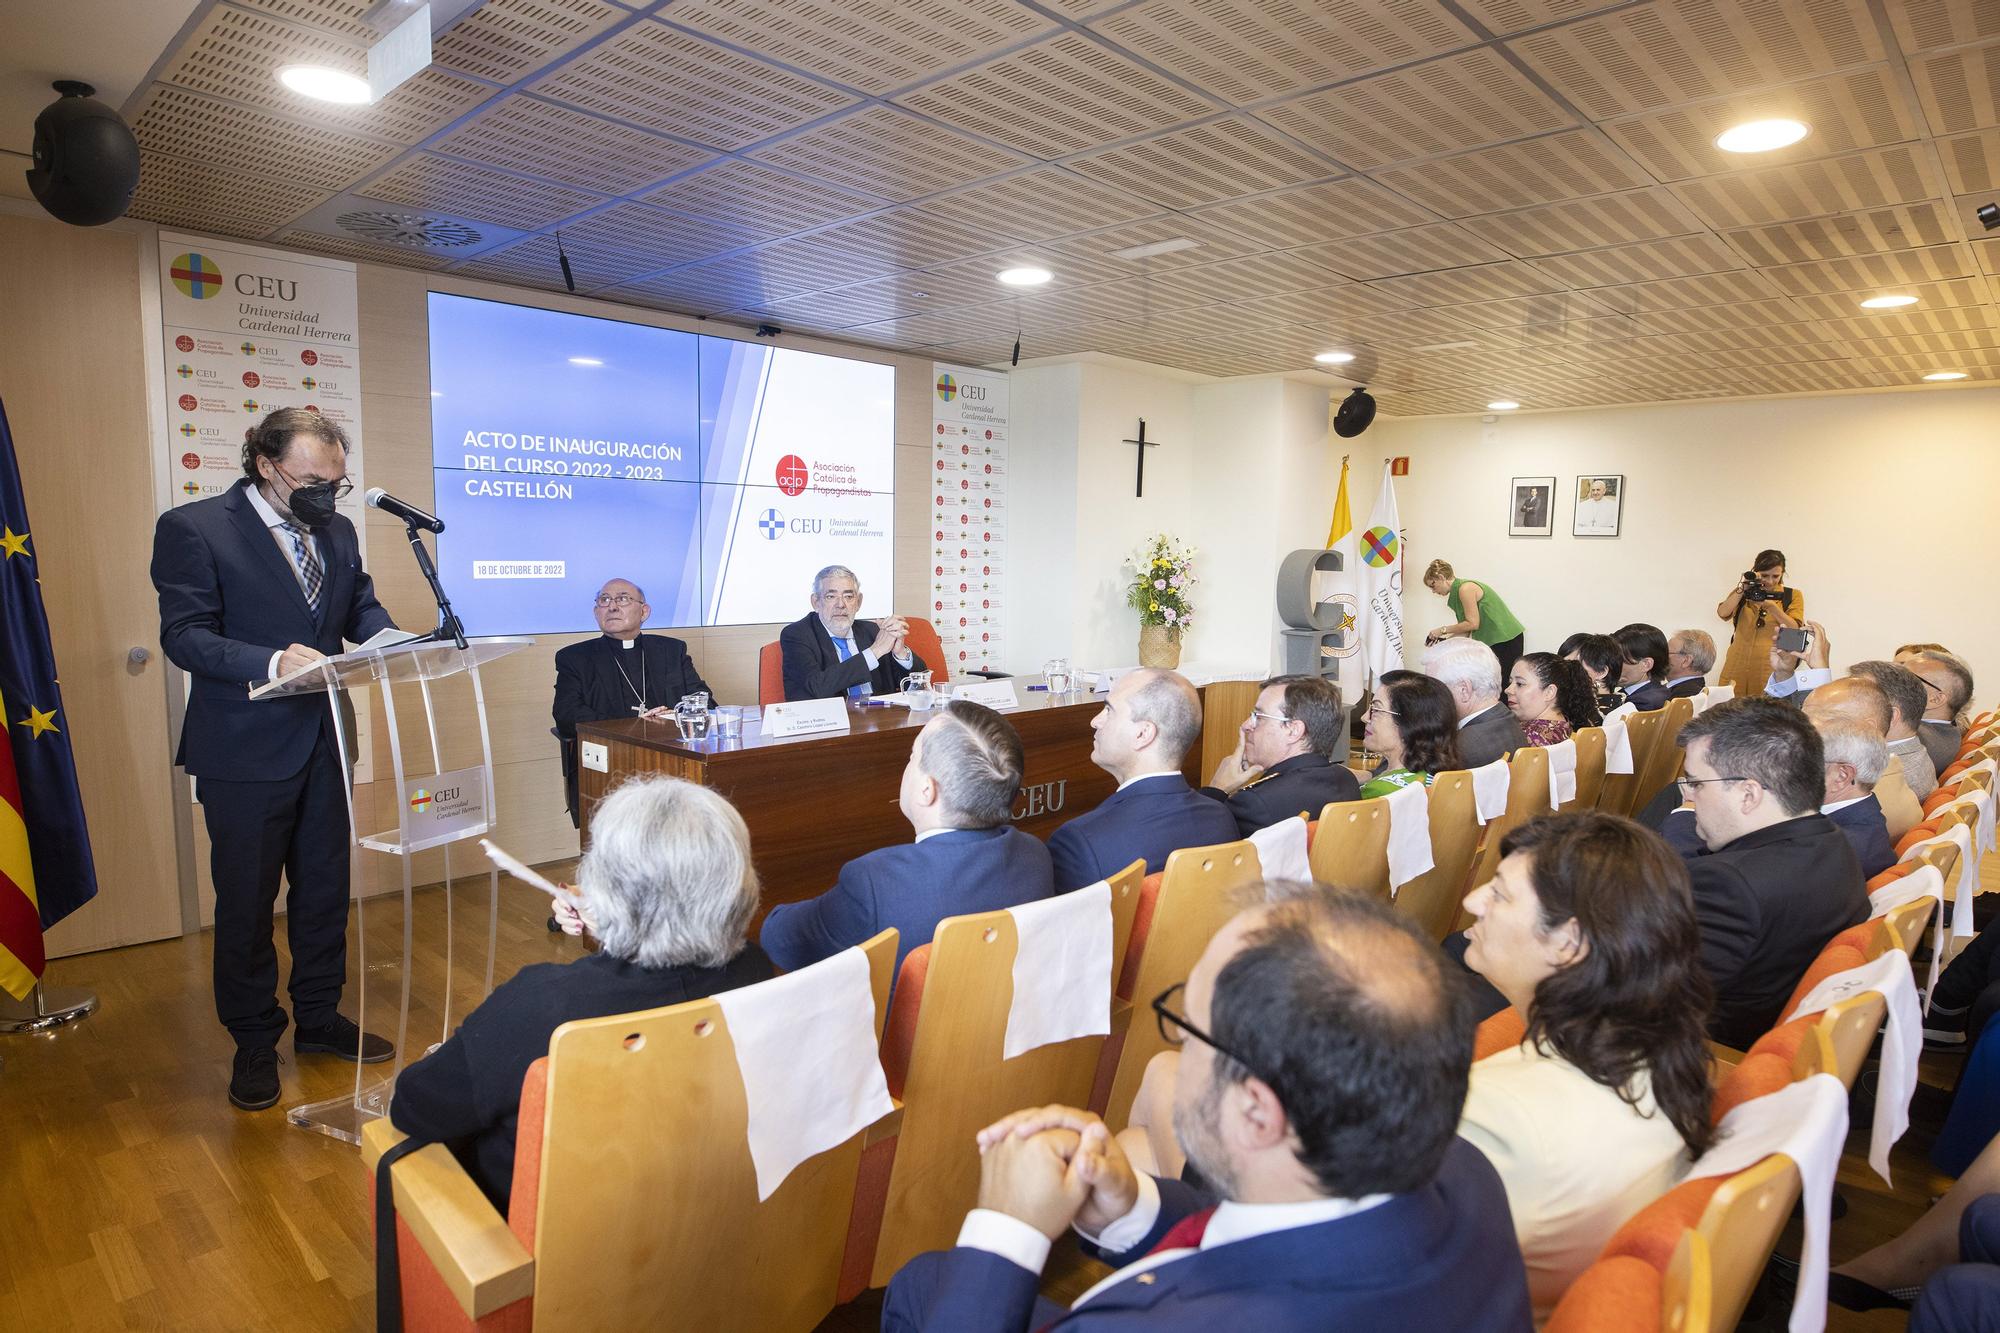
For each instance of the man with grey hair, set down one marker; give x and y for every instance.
(1855, 757)
(668, 890)
(1690, 654)
(1907, 701)
(831, 652)
(1948, 683)
(1486, 728)
(958, 794)
(1141, 737)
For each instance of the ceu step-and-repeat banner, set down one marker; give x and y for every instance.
(717, 475)
(969, 514)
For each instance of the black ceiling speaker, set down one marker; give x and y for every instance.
(86, 160)
(1355, 414)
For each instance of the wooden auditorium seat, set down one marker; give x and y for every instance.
(1349, 846)
(1527, 798)
(626, 1120)
(1642, 729)
(1432, 899)
(1589, 769)
(1663, 755)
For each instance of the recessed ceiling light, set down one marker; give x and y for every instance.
(1024, 277)
(585, 361)
(325, 85)
(1937, 375)
(1761, 136)
(1334, 358)
(1888, 302)
(1502, 405)
(1165, 247)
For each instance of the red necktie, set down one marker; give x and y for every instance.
(1185, 1234)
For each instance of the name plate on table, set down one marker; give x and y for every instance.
(995, 694)
(806, 717)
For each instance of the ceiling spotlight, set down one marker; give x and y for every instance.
(1502, 405)
(325, 85)
(1888, 302)
(1334, 358)
(1761, 136)
(1937, 376)
(585, 361)
(1024, 277)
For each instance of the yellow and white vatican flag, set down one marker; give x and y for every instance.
(1338, 595)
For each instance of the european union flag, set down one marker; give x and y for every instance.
(45, 867)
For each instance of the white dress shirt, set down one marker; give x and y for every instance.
(1144, 777)
(1804, 679)
(274, 523)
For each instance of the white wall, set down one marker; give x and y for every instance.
(1882, 502)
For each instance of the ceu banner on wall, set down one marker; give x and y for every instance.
(969, 513)
(717, 475)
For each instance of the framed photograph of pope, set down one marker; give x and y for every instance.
(1599, 506)
(1531, 509)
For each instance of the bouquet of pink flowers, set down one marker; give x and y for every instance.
(1162, 576)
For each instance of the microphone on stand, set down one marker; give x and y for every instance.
(448, 627)
(378, 498)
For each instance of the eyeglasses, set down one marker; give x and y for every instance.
(1687, 785)
(341, 489)
(622, 599)
(1382, 710)
(1176, 1029)
(1278, 718)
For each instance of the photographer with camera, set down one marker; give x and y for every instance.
(1757, 608)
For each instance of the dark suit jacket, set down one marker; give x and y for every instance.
(228, 600)
(813, 669)
(911, 887)
(1494, 734)
(1441, 1257)
(1148, 820)
(1868, 831)
(589, 688)
(467, 1093)
(1648, 696)
(1303, 784)
(1767, 903)
(1688, 688)
(1941, 740)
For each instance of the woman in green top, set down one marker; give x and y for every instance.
(1480, 615)
(1413, 725)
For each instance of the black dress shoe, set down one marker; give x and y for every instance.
(1849, 1293)
(338, 1036)
(253, 1082)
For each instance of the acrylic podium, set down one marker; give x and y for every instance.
(434, 808)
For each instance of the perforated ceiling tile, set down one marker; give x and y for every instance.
(1341, 306)
(1316, 213)
(1442, 106)
(1925, 344)
(1903, 227)
(189, 126)
(1931, 296)
(1411, 250)
(1246, 50)
(1988, 254)
(1959, 90)
(1727, 288)
(1460, 286)
(1266, 274)
(1809, 189)
(342, 18)
(1505, 17)
(1677, 257)
(1972, 161)
(883, 151)
(648, 237)
(503, 40)
(1056, 97)
(1039, 204)
(1936, 263)
(1210, 244)
(1748, 314)
(1645, 57)
(1070, 270)
(561, 143)
(533, 262)
(760, 200)
(652, 75)
(1561, 316)
(1537, 171)
(1904, 324)
(873, 45)
(188, 194)
(1922, 25)
(905, 238)
(1860, 109)
(347, 247)
(463, 190)
(722, 284)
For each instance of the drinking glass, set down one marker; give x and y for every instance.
(1056, 674)
(917, 691)
(728, 722)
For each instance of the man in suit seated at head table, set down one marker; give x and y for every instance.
(1486, 726)
(958, 794)
(1140, 738)
(1347, 1201)
(1287, 756)
(831, 652)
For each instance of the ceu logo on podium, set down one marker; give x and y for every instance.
(195, 276)
(420, 800)
(947, 388)
(772, 524)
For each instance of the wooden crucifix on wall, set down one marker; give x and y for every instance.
(1144, 444)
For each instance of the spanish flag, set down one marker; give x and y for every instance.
(45, 867)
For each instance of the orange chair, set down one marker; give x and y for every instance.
(770, 675)
(924, 642)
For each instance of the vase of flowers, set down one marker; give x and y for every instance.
(1162, 572)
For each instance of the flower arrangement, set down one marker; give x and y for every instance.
(1162, 575)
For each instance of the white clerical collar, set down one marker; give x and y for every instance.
(265, 509)
(1842, 805)
(1163, 773)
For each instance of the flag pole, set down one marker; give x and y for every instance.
(45, 1009)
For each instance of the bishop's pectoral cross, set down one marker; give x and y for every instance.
(1144, 444)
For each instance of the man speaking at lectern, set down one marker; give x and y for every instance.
(255, 583)
(830, 653)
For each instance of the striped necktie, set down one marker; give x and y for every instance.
(307, 553)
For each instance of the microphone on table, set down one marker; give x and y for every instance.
(380, 499)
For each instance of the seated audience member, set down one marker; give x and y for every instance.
(1793, 676)
(1907, 700)
(1858, 699)
(1323, 1068)
(1855, 758)
(1948, 683)
(1287, 756)
(958, 794)
(1414, 727)
(1587, 927)
(618, 674)
(1551, 698)
(830, 653)
(1690, 654)
(668, 891)
(1603, 661)
(1642, 666)
(1486, 730)
(1779, 880)
(1140, 737)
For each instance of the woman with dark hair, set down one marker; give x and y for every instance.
(1603, 661)
(1413, 725)
(1757, 608)
(1551, 698)
(1588, 928)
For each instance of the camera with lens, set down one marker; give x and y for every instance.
(1753, 591)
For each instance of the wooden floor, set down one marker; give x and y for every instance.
(144, 1200)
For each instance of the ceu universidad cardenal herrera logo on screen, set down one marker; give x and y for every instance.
(772, 523)
(195, 276)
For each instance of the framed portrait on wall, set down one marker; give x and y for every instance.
(1531, 507)
(1600, 505)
